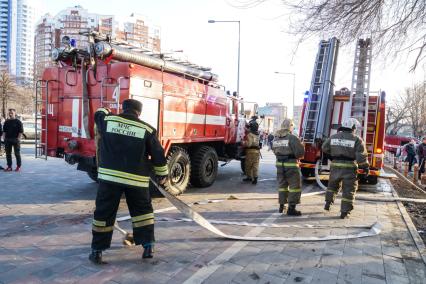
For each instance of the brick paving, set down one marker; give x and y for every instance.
(45, 215)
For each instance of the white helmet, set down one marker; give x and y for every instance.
(351, 123)
(287, 124)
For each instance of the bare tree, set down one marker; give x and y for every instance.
(23, 99)
(395, 26)
(396, 115)
(7, 86)
(416, 103)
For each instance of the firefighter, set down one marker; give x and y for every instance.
(252, 149)
(347, 152)
(125, 143)
(288, 149)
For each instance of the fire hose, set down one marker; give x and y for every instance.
(190, 213)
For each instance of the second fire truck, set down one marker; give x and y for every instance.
(324, 109)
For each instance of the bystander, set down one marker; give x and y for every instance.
(12, 133)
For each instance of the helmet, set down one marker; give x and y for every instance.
(351, 123)
(287, 123)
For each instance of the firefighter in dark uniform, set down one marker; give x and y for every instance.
(252, 148)
(125, 145)
(348, 153)
(288, 149)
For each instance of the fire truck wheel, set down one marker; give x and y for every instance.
(179, 170)
(204, 166)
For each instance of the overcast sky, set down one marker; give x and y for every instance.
(265, 47)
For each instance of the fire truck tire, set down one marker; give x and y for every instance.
(179, 170)
(204, 166)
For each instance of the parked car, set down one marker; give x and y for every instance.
(29, 129)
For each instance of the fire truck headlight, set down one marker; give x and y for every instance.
(72, 144)
(378, 150)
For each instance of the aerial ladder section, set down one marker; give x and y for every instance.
(319, 104)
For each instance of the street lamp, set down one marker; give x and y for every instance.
(294, 84)
(239, 37)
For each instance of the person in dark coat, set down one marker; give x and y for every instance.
(421, 151)
(410, 148)
(12, 134)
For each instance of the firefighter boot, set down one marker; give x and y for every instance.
(247, 179)
(254, 180)
(281, 209)
(148, 251)
(96, 257)
(344, 215)
(292, 210)
(327, 205)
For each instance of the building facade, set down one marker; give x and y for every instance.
(137, 30)
(276, 110)
(74, 20)
(297, 115)
(17, 22)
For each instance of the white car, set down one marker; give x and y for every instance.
(29, 129)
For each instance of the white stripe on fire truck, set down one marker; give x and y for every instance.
(192, 118)
(75, 116)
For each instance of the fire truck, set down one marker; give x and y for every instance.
(198, 123)
(324, 109)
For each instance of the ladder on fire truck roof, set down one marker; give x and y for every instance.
(360, 101)
(319, 104)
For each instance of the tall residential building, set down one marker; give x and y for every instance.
(4, 32)
(70, 22)
(138, 30)
(74, 20)
(17, 21)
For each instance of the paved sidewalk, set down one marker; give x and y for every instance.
(45, 217)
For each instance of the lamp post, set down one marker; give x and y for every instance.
(294, 85)
(239, 37)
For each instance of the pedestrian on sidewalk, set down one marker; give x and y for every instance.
(12, 134)
(347, 152)
(288, 149)
(421, 151)
(270, 139)
(410, 149)
(125, 144)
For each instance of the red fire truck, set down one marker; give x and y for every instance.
(324, 111)
(197, 122)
